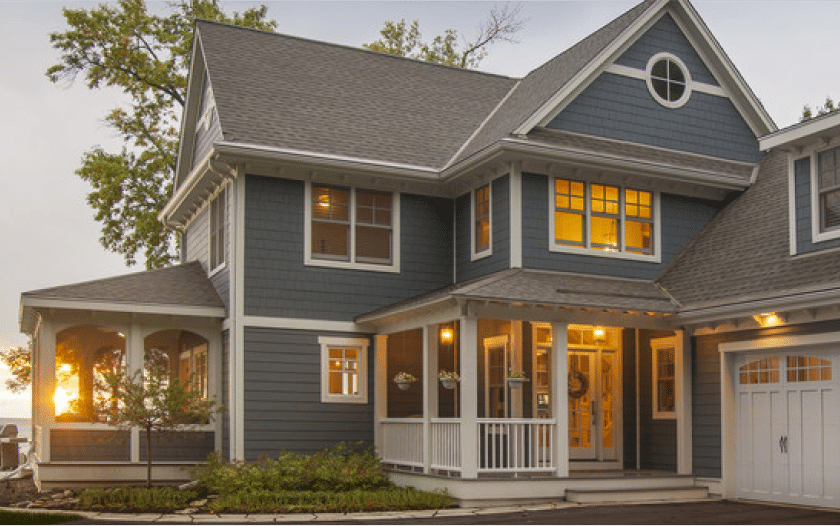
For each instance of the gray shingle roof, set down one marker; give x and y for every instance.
(181, 285)
(744, 252)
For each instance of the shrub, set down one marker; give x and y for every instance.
(135, 499)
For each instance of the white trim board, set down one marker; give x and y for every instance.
(301, 324)
(640, 74)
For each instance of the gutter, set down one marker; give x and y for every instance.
(804, 300)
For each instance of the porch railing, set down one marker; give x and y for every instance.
(515, 445)
(504, 445)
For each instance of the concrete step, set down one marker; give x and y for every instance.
(668, 493)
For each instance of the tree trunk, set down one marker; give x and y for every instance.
(148, 457)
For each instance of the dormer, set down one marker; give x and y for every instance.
(813, 149)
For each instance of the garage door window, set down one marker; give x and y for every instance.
(761, 371)
(808, 369)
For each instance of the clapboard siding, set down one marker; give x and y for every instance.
(283, 409)
(186, 446)
(658, 440)
(681, 219)
(197, 246)
(88, 445)
(500, 226)
(277, 283)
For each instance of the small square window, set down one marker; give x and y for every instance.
(343, 370)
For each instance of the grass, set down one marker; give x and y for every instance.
(28, 517)
(130, 499)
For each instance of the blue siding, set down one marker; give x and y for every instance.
(682, 218)
(283, 408)
(197, 247)
(666, 36)
(802, 189)
(500, 225)
(277, 283)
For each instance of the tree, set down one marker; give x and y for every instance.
(501, 25)
(828, 107)
(155, 401)
(146, 55)
(19, 362)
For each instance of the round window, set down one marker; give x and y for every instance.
(668, 80)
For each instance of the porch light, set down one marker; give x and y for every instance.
(768, 319)
(446, 335)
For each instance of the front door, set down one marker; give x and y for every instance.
(592, 404)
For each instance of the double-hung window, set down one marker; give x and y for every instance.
(481, 222)
(352, 228)
(218, 215)
(828, 181)
(664, 378)
(586, 217)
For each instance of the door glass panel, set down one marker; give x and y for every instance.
(607, 395)
(579, 408)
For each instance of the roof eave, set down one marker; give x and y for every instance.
(803, 133)
(33, 302)
(736, 307)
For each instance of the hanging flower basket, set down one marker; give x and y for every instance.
(516, 379)
(449, 379)
(404, 380)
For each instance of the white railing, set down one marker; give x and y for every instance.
(513, 445)
(402, 441)
(446, 444)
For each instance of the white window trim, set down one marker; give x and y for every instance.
(215, 270)
(817, 234)
(474, 255)
(362, 345)
(688, 82)
(308, 260)
(655, 345)
(656, 257)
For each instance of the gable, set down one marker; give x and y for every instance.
(620, 104)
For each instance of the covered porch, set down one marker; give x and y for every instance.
(599, 382)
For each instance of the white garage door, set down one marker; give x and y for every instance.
(789, 428)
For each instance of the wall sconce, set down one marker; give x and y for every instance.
(599, 334)
(446, 335)
(769, 319)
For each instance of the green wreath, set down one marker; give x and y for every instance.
(578, 384)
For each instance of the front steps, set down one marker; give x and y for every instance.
(659, 494)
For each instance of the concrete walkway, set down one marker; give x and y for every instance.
(710, 511)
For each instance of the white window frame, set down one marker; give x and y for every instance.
(649, 81)
(476, 254)
(219, 201)
(394, 267)
(817, 233)
(656, 345)
(361, 345)
(655, 257)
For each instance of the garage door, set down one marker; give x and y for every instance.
(789, 428)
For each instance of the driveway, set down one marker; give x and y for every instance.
(702, 512)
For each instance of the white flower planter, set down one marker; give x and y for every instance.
(448, 383)
(516, 383)
(403, 385)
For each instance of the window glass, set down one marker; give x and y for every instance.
(569, 213)
(218, 220)
(668, 80)
(482, 218)
(828, 171)
(343, 370)
(373, 227)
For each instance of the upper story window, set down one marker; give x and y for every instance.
(608, 218)
(481, 222)
(828, 181)
(352, 228)
(218, 222)
(668, 80)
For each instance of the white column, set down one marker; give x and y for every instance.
(469, 398)
(559, 396)
(430, 391)
(380, 388)
(135, 351)
(46, 391)
(682, 380)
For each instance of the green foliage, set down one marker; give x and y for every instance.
(28, 517)
(403, 40)
(154, 400)
(827, 107)
(19, 362)
(388, 499)
(341, 468)
(145, 55)
(135, 499)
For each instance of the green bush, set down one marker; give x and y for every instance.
(136, 499)
(389, 499)
(341, 468)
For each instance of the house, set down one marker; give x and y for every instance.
(625, 226)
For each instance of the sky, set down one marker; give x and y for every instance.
(785, 50)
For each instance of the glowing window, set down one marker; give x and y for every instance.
(343, 370)
(481, 218)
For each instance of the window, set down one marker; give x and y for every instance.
(828, 190)
(352, 228)
(343, 370)
(218, 215)
(664, 378)
(608, 218)
(668, 80)
(481, 227)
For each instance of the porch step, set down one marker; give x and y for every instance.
(666, 493)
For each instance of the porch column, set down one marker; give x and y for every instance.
(430, 391)
(682, 381)
(469, 398)
(559, 396)
(45, 417)
(135, 353)
(380, 388)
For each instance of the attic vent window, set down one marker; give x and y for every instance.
(668, 80)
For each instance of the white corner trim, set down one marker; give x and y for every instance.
(362, 345)
(792, 204)
(489, 250)
(516, 215)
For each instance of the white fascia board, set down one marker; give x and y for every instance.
(648, 168)
(588, 72)
(138, 308)
(340, 161)
(803, 132)
(784, 303)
